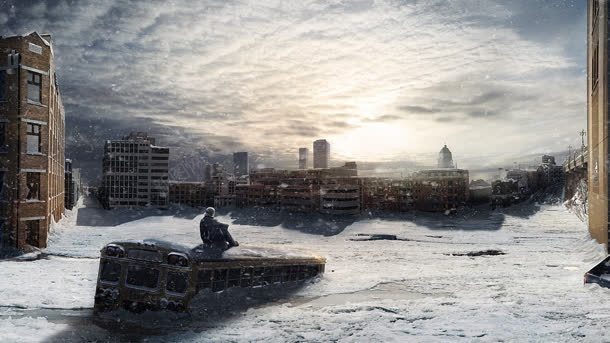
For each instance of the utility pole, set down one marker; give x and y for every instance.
(582, 138)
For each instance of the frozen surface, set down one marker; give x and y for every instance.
(411, 289)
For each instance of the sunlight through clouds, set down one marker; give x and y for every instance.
(380, 79)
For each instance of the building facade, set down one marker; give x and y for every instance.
(321, 154)
(32, 139)
(340, 199)
(384, 194)
(549, 173)
(438, 190)
(299, 197)
(192, 194)
(303, 153)
(597, 118)
(135, 173)
(241, 164)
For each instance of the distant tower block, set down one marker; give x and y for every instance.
(321, 153)
(241, 164)
(445, 159)
(303, 152)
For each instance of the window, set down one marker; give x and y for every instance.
(33, 186)
(35, 48)
(2, 85)
(142, 277)
(219, 280)
(34, 86)
(32, 229)
(111, 271)
(33, 139)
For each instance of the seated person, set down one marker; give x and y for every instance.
(215, 234)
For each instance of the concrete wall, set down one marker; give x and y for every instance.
(597, 119)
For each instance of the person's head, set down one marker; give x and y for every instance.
(210, 211)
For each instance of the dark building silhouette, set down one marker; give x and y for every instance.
(72, 185)
(303, 153)
(321, 153)
(241, 164)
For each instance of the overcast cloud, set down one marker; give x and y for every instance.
(383, 81)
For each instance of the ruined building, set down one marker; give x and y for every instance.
(135, 173)
(32, 125)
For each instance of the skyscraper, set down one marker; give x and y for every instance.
(241, 165)
(32, 124)
(207, 173)
(321, 153)
(597, 118)
(303, 152)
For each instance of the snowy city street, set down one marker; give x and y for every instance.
(304, 171)
(420, 287)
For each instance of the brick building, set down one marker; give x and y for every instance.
(299, 197)
(258, 195)
(192, 194)
(32, 131)
(440, 189)
(383, 194)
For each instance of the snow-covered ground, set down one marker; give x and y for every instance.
(413, 289)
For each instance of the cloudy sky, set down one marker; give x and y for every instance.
(386, 82)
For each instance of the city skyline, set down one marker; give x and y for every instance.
(280, 74)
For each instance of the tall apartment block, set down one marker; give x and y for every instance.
(241, 165)
(32, 128)
(135, 173)
(597, 118)
(321, 153)
(303, 152)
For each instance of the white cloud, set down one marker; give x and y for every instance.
(277, 75)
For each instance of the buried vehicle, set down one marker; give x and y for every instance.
(158, 275)
(600, 274)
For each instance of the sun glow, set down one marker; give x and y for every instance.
(373, 142)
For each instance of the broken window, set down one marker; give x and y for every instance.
(33, 139)
(33, 186)
(34, 86)
(32, 230)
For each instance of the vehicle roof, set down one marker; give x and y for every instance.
(240, 253)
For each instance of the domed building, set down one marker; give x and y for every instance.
(445, 159)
